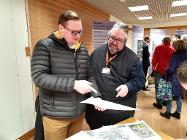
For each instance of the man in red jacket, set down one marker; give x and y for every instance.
(160, 63)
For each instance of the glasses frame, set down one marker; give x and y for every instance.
(117, 40)
(73, 32)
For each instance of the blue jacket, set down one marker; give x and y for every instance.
(177, 58)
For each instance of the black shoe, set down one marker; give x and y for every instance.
(176, 115)
(159, 106)
(166, 115)
(164, 103)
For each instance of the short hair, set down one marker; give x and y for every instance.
(146, 38)
(182, 72)
(166, 40)
(68, 15)
(117, 26)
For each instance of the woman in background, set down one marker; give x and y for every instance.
(182, 74)
(178, 57)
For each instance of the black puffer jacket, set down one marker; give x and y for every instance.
(54, 68)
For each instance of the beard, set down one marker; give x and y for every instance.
(113, 48)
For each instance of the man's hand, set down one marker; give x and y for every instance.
(83, 86)
(99, 108)
(122, 91)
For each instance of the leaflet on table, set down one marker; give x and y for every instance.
(106, 104)
(131, 131)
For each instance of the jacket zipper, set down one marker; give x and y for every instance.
(76, 65)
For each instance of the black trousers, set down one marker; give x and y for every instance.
(145, 69)
(39, 130)
(97, 119)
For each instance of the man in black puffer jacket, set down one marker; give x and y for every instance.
(60, 68)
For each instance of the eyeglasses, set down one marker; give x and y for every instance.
(73, 32)
(118, 40)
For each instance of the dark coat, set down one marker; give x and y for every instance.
(54, 68)
(125, 68)
(177, 58)
(145, 56)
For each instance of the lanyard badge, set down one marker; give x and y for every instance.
(106, 69)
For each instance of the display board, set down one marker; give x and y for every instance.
(100, 31)
(137, 39)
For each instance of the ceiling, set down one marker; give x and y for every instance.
(160, 10)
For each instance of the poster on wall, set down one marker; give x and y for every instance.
(181, 32)
(100, 31)
(156, 36)
(140, 49)
(137, 39)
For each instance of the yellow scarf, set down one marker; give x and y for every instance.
(59, 35)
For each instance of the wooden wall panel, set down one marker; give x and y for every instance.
(43, 18)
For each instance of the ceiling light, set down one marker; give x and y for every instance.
(139, 8)
(178, 15)
(144, 18)
(179, 3)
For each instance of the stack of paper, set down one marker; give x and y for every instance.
(131, 131)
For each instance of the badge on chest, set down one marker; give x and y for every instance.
(106, 70)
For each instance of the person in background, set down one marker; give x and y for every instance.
(184, 38)
(160, 63)
(60, 68)
(182, 75)
(178, 37)
(178, 57)
(39, 129)
(145, 58)
(119, 75)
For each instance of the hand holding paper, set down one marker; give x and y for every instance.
(106, 104)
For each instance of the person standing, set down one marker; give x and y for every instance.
(119, 75)
(38, 130)
(160, 63)
(145, 58)
(60, 68)
(178, 57)
(182, 74)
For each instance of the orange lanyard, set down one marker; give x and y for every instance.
(107, 57)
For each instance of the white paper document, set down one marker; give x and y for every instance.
(130, 131)
(81, 136)
(106, 104)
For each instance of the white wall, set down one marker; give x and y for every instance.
(16, 96)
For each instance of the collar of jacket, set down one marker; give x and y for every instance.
(54, 36)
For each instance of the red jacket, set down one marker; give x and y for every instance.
(161, 58)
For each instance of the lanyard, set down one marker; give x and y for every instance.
(107, 57)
